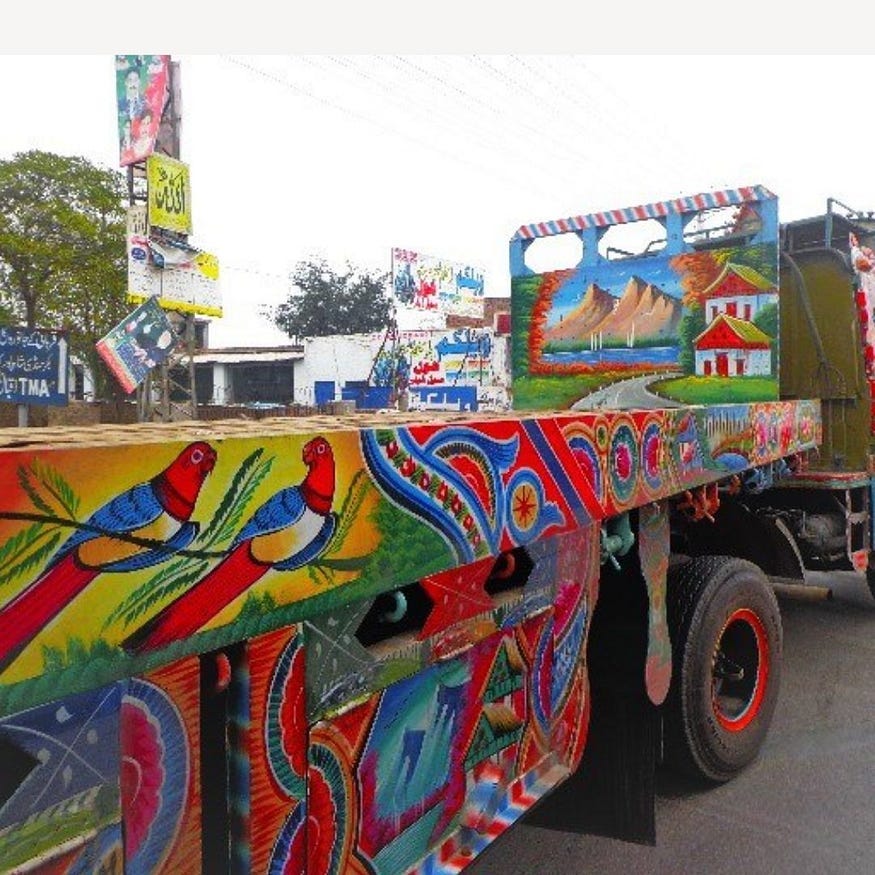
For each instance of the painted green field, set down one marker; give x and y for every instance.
(555, 393)
(716, 390)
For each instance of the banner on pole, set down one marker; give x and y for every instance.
(140, 342)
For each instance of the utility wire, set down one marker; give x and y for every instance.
(555, 115)
(530, 141)
(493, 140)
(431, 146)
(665, 135)
(557, 79)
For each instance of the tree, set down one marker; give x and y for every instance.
(62, 250)
(697, 271)
(767, 322)
(326, 302)
(692, 324)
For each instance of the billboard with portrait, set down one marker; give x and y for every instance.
(142, 89)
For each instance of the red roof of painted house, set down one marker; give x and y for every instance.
(727, 332)
(738, 279)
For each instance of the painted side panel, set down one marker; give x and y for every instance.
(423, 773)
(101, 581)
(160, 771)
(268, 757)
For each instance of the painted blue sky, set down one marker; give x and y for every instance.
(612, 276)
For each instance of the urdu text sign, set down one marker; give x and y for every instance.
(33, 366)
(169, 194)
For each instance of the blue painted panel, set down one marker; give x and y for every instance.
(323, 391)
(367, 397)
(60, 767)
(446, 397)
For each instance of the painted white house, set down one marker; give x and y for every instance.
(731, 347)
(738, 291)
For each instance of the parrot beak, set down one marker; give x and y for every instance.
(307, 453)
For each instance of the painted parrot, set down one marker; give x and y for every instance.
(157, 510)
(289, 530)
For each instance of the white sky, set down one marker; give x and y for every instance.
(347, 155)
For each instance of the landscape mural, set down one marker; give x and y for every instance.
(694, 322)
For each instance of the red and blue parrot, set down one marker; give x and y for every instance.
(155, 513)
(291, 529)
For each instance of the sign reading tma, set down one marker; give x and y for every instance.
(33, 366)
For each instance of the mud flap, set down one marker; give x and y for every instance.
(613, 793)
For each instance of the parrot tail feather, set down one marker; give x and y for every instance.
(23, 618)
(199, 604)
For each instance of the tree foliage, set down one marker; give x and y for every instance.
(767, 321)
(62, 250)
(692, 324)
(325, 301)
(698, 270)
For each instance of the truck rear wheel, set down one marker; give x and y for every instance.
(726, 647)
(870, 575)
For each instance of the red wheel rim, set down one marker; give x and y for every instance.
(743, 644)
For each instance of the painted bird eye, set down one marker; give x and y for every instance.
(320, 448)
(197, 456)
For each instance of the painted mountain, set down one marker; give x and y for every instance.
(642, 314)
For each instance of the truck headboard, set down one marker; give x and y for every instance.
(688, 315)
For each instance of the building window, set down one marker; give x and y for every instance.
(201, 334)
(78, 382)
(267, 384)
(203, 383)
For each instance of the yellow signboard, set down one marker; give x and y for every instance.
(169, 194)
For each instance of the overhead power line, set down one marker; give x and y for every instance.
(395, 130)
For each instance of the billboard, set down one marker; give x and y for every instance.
(142, 88)
(180, 277)
(169, 196)
(33, 366)
(142, 340)
(423, 282)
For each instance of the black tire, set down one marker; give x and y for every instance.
(870, 575)
(722, 616)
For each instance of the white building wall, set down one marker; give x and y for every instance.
(715, 306)
(345, 358)
(757, 362)
(339, 358)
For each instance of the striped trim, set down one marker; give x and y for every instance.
(692, 204)
(458, 851)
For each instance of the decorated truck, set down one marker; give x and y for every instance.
(369, 644)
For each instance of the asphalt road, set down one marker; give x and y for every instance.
(807, 805)
(625, 395)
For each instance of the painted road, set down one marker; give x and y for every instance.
(625, 395)
(806, 806)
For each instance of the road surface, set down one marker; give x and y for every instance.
(625, 394)
(806, 806)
